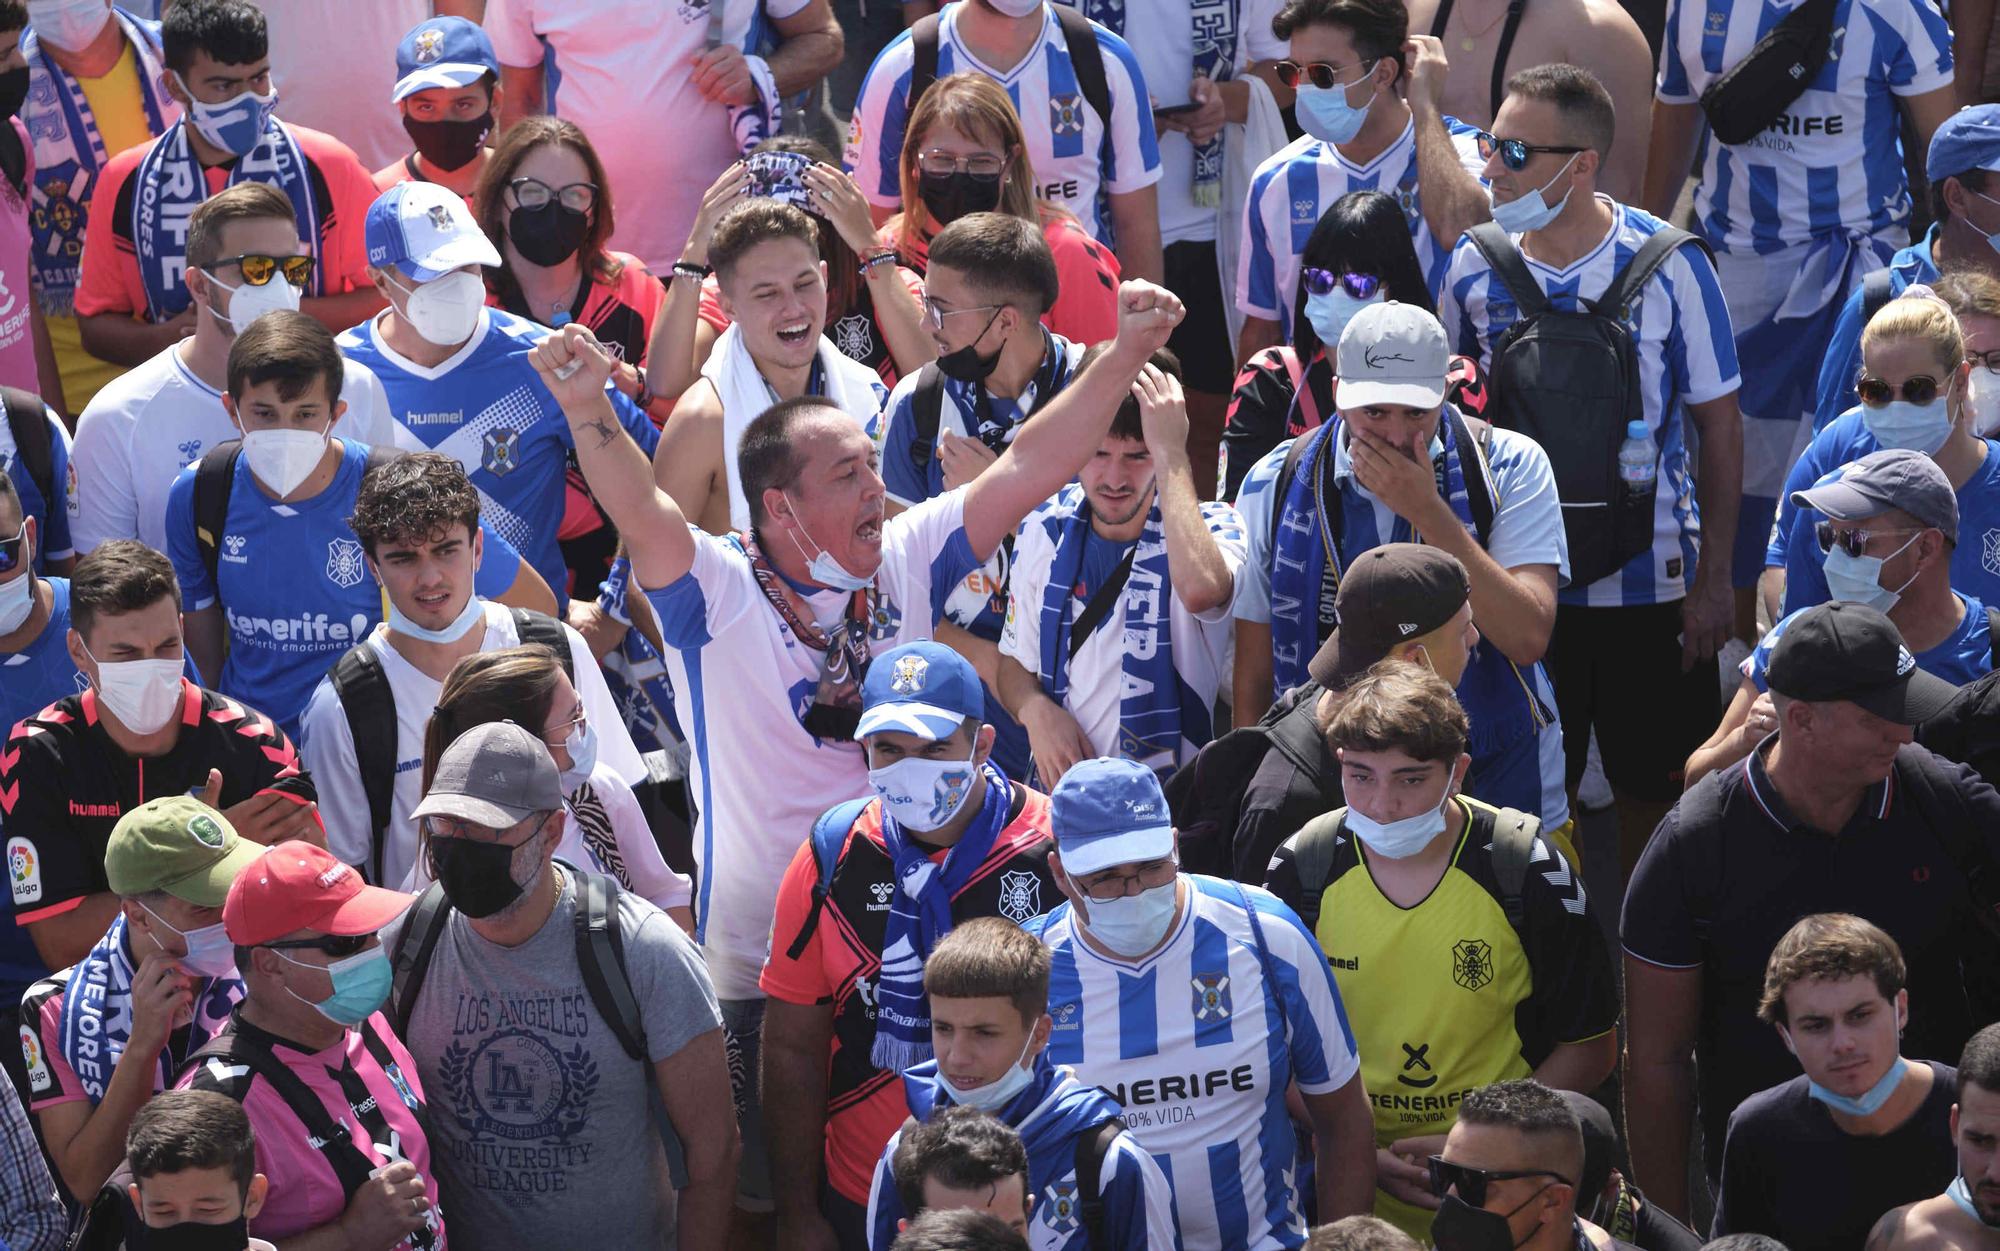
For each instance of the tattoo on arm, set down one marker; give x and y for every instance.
(607, 432)
(1888, 1231)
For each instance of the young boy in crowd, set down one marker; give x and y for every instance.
(194, 1164)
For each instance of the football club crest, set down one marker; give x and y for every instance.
(1059, 1206)
(1066, 114)
(440, 216)
(1020, 896)
(502, 452)
(430, 45)
(1472, 963)
(854, 337)
(908, 677)
(1211, 997)
(344, 567)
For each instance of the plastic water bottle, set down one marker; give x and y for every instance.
(1637, 465)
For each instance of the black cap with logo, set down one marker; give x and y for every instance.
(1388, 596)
(1851, 652)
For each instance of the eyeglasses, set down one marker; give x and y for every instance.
(1321, 74)
(1853, 542)
(1118, 885)
(1471, 1183)
(1990, 361)
(935, 313)
(1514, 153)
(339, 946)
(979, 164)
(10, 549)
(1878, 392)
(257, 268)
(533, 193)
(1322, 282)
(559, 733)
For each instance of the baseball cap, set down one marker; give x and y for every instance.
(443, 52)
(495, 775)
(1848, 651)
(297, 886)
(177, 844)
(1969, 139)
(1108, 811)
(1390, 595)
(1899, 478)
(925, 689)
(1600, 1145)
(426, 231)
(1392, 353)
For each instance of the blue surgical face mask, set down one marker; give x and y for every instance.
(1992, 240)
(1859, 578)
(582, 747)
(1532, 212)
(999, 1092)
(924, 794)
(1961, 1196)
(1327, 116)
(1133, 925)
(1330, 313)
(1870, 1101)
(209, 951)
(1916, 427)
(1397, 840)
(237, 124)
(474, 608)
(823, 568)
(360, 985)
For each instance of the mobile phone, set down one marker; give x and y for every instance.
(1174, 110)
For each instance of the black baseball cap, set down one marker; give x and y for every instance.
(1851, 652)
(1388, 596)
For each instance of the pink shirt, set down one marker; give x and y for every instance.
(17, 339)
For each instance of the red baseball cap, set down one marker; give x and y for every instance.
(297, 886)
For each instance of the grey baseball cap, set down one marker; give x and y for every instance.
(495, 775)
(1392, 354)
(1898, 478)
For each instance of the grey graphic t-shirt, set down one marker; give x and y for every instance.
(541, 1126)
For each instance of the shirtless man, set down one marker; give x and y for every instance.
(1966, 1217)
(1594, 33)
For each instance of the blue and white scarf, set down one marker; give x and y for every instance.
(919, 915)
(1161, 722)
(96, 1020)
(1214, 23)
(1304, 541)
(172, 185)
(69, 151)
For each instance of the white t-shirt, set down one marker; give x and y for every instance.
(1201, 642)
(1162, 37)
(138, 433)
(742, 681)
(307, 36)
(327, 746)
(622, 70)
(640, 868)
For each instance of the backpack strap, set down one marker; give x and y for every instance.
(1093, 1147)
(1283, 487)
(927, 413)
(335, 1141)
(1312, 859)
(1513, 843)
(1086, 58)
(369, 704)
(600, 946)
(412, 957)
(28, 420)
(214, 477)
(1296, 735)
(923, 60)
(1874, 293)
(829, 835)
(1510, 267)
(1625, 285)
(538, 627)
(1477, 436)
(1257, 935)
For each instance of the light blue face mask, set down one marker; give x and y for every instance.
(360, 985)
(1327, 116)
(1870, 1101)
(1133, 925)
(400, 623)
(1915, 427)
(1397, 840)
(823, 569)
(1859, 578)
(999, 1092)
(1532, 212)
(1992, 240)
(1961, 1196)
(1330, 313)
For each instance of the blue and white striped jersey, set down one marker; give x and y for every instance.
(1295, 186)
(1066, 139)
(1198, 1042)
(1833, 161)
(1687, 355)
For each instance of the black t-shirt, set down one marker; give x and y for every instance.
(1968, 730)
(1718, 897)
(1792, 1173)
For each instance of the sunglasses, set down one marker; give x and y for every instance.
(1514, 153)
(1323, 281)
(10, 549)
(1471, 1183)
(1878, 392)
(1321, 74)
(339, 946)
(258, 268)
(1853, 542)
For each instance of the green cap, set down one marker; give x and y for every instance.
(179, 845)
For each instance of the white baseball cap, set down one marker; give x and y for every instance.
(1392, 353)
(425, 231)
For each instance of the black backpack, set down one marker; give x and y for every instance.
(1205, 796)
(28, 422)
(370, 706)
(215, 479)
(1570, 382)
(1514, 833)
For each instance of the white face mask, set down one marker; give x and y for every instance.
(444, 311)
(17, 600)
(582, 747)
(282, 459)
(1016, 8)
(1397, 840)
(1133, 925)
(142, 694)
(68, 24)
(248, 303)
(923, 794)
(999, 1092)
(474, 609)
(209, 951)
(1982, 396)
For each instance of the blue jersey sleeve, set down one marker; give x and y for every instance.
(54, 542)
(634, 419)
(1138, 1203)
(885, 1206)
(1834, 393)
(198, 590)
(905, 483)
(499, 565)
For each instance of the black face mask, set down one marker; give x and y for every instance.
(190, 1236)
(1458, 1226)
(478, 878)
(948, 197)
(548, 235)
(449, 144)
(13, 91)
(966, 364)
